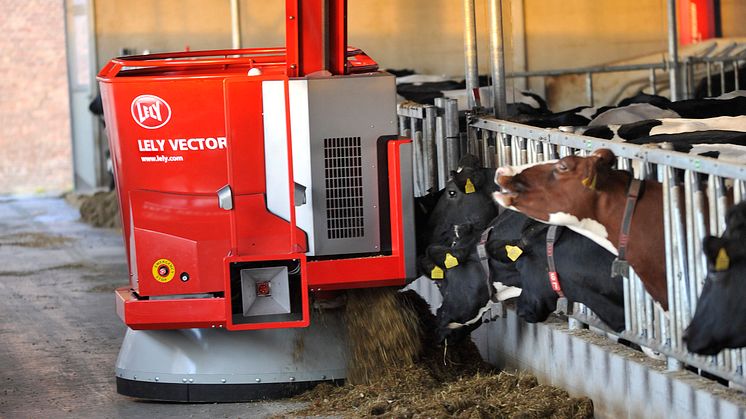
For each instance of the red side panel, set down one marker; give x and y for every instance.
(696, 20)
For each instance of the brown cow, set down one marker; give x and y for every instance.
(588, 195)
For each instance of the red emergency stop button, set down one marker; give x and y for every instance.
(163, 270)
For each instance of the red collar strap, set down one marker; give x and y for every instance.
(552, 267)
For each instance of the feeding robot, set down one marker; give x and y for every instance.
(253, 184)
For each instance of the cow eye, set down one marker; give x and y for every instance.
(452, 193)
(561, 166)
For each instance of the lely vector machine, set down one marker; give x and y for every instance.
(253, 184)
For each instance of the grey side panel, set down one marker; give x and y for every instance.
(347, 115)
(407, 199)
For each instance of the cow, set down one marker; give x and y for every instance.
(467, 290)
(720, 318)
(604, 115)
(583, 270)
(466, 200)
(652, 127)
(588, 195)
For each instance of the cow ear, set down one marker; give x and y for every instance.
(596, 174)
(506, 251)
(716, 253)
(605, 159)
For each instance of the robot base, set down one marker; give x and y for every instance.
(215, 365)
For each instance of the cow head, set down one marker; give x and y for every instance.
(566, 186)
(719, 320)
(522, 259)
(465, 291)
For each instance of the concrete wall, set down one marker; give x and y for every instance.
(34, 114)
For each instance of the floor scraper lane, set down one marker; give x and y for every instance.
(59, 332)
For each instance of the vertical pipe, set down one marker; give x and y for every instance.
(708, 71)
(470, 52)
(451, 132)
(653, 87)
(673, 51)
(589, 88)
(428, 148)
(497, 59)
(722, 77)
(440, 152)
(235, 25)
(735, 75)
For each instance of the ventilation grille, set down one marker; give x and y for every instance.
(344, 187)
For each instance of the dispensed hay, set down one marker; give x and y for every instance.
(392, 375)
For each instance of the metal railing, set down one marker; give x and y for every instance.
(694, 68)
(692, 209)
(438, 146)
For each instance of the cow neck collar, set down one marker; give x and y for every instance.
(552, 234)
(635, 190)
(484, 258)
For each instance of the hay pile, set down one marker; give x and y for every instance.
(423, 380)
(101, 210)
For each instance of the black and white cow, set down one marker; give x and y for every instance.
(720, 319)
(467, 288)
(466, 200)
(583, 273)
(651, 127)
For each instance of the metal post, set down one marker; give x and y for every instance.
(673, 51)
(497, 59)
(653, 87)
(722, 77)
(428, 148)
(470, 52)
(452, 134)
(235, 25)
(589, 88)
(735, 74)
(440, 142)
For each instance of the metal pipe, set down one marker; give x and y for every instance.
(722, 77)
(735, 74)
(470, 52)
(235, 25)
(428, 148)
(451, 133)
(589, 88)
(440, 152)
(673, 51)
(497, 59)
(653, 87)
(708, 71)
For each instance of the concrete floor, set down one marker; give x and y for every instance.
(59, 333)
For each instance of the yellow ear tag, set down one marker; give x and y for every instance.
(450, 261)
(514, 252)
(722, 262)
(590, 183)
(436, 273)
(469, 188)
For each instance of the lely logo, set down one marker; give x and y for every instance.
(150, 112)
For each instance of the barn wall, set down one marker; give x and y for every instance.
(35, 141)
(424, 35)
(575, 33)
(733, 17)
